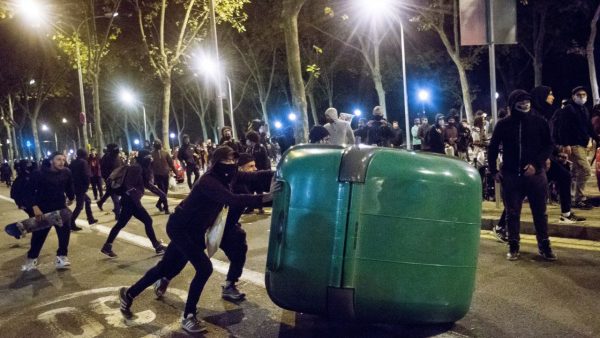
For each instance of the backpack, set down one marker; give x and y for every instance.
(116, 179)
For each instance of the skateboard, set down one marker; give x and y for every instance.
(21, 228)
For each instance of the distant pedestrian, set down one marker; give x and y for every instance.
(340, 132)
(414, 132)
(110, 161)
(318, 134)
(422, 132)
(379, 131)
(81, 173)
(189, 157)
(435, 136)
(96, 179)
(228, 140)
(398, 135)
(6, 173)
(162, 166)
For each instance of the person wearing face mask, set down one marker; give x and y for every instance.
(422, 132)
(233, 242)
(137, 177)
(187, 155)
(187, 227)
(50, 185)
(435, 136)
(379, 131)
(526, 143)
(542, 99)
(227, 139)
(451, 134)
(572, 130)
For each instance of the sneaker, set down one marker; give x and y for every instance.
(500, 233)
(231, 293)
(160, 287)
(160, 248)
(126, 302)
(92, 221)
(75, 228)
(30, 264)
(571, 219)
(513, 252)
(545, 250)
(192, 325)
(62, 262)
(107, 250)
(582, 206)
(99, 205)
(167, 212)
(158, 206)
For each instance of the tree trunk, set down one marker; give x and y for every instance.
(378, 79)
(126, 130)
(590, 56)
(204, 130)
(265, 116)
(12, 134)
(99, 135)
(165, 110)
(291, 9)
(36, 139)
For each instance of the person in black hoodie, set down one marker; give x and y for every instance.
(572, 129)
(137, 177)
(526, 143)
(435, 136)
(50, 185)
(109, 162)
(542, 99)
(22, 191)
(80, 169)
(187, 227)
(228, 140)
(189, 156)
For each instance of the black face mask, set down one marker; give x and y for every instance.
(377, 117)
(226, 171)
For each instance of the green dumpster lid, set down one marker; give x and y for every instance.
(355, 162)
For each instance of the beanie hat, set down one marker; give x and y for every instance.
(245, 158)
(378, 111)
(112, 148)
(222, 153)
(517, 96)
(578, 89)
(253, 136)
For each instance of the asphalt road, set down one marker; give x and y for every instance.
(527, 298)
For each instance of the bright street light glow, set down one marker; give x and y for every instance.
(48, 153)
(45, 127)
(292, 117)
(497, 95)
(278, 125)
(31, 82)
(71, 151)
(172, 135)
(127, 97)
(374, 9)
(64, 120)
(357, 112)
(32, 11)
(207, 65)
(136, 142)
(423, 95)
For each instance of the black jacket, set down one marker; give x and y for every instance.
(245, 183)
(572, 126)
(525, 139)
(108, 163)
(136, 180)
(435, 141)
(22, 191)
(187, 154)
(261, 156)
(81, 172)
(50, 188)
(200, 209)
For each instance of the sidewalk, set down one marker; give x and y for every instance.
(588, 230)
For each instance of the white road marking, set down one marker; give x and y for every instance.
(250, 276)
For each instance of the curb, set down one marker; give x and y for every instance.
(574, 231)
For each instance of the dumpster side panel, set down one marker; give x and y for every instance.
(308, 232)
(413, 238)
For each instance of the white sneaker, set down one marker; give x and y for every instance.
(62, 262)
(30, 264)
(566, 220)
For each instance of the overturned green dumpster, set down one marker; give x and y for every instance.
(374, 234)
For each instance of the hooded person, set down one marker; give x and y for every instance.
(109, 162)
(50, 185)
(22, 190)
(526, 143)
(435, 136)
(189, 156)
(340, 132)
(187, 228)
(542, 100)
(228, 140)
(135, 178)
(162, 166)
(379, 131)
(81, 172)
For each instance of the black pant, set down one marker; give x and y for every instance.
(130, 209)
(116, 199)
(189, 170)
(97, 186)
(184, 246)
(162, 182)
(39, 237)
(516, 188)
(82, 199)
(562, 177)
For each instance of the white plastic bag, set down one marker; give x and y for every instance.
(172, 183)
(214, 234)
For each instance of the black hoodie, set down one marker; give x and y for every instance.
(50, 187)
(539, 95)
(572, 126)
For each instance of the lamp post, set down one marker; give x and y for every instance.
(46, 128)
(219, 102)
(375, 10)
(129, 99)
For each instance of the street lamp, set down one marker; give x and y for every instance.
(292, 117)
(32, 11)
(423, 96)
(357, 112)
(128, 97)
(46, 128)
(374, 10)
(278, 125)
(211, 68)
